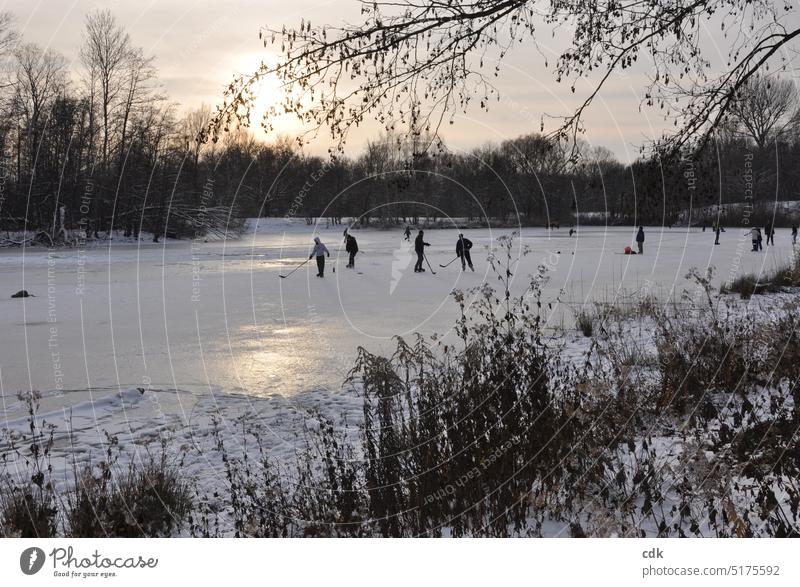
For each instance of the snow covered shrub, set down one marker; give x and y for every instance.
(748, 284)
(698, 358)
(28, 503)
(703, 348)
(149, 499)
(329, 499)
(745, 285)
(27, 512)
(789, 275)
(321, 494)
(780, 341)
(702, 352)
(257, 502)
(751, 464)
(723, 460)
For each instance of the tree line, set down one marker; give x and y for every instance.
(102, 150)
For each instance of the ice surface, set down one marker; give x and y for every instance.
(140, 338)
(195, 315)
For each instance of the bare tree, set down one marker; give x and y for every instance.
(9, 37)
(139, 73)
(536, 154)
(105, 54)
(190, 135)
(39, 77)
(446, 55)
(765, 109)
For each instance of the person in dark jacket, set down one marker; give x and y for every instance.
(640, 240)
(770, 232)
(463, 245)
(717, 230)
(419, 248)
(319, 252)
(351, 247)
(794, 234)
(408, 233)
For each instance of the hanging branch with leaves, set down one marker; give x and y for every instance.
(416, 64)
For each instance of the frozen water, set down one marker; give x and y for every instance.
(215, 316)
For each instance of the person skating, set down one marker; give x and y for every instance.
(755, 235)
(770, 232)
(716, 231)
(319, 252)
(408, 233)
(640, 240)
(794, 234)
(419, 248)
(463, 245)
(352, 248)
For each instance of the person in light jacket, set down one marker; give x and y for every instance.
(319, 252)
(755, 235)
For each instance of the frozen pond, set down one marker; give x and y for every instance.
(215, 316)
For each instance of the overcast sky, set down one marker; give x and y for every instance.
(200, 44)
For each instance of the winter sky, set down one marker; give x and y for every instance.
(200, 44)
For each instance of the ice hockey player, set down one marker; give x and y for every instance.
(769, 230)
(463, 245)
(319, 252)
(419, 248)
(351, 247)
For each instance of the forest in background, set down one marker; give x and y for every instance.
(102, 150)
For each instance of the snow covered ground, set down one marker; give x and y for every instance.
(137, 339)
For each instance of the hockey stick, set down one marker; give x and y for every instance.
(295, 269)
(429, 264)
(443, 266)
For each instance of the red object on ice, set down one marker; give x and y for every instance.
(628, 250)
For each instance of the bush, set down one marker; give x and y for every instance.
(748, 285)
(702, 350)
(27, 512)
(745, 285)
(146, 500)
(28, 505)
